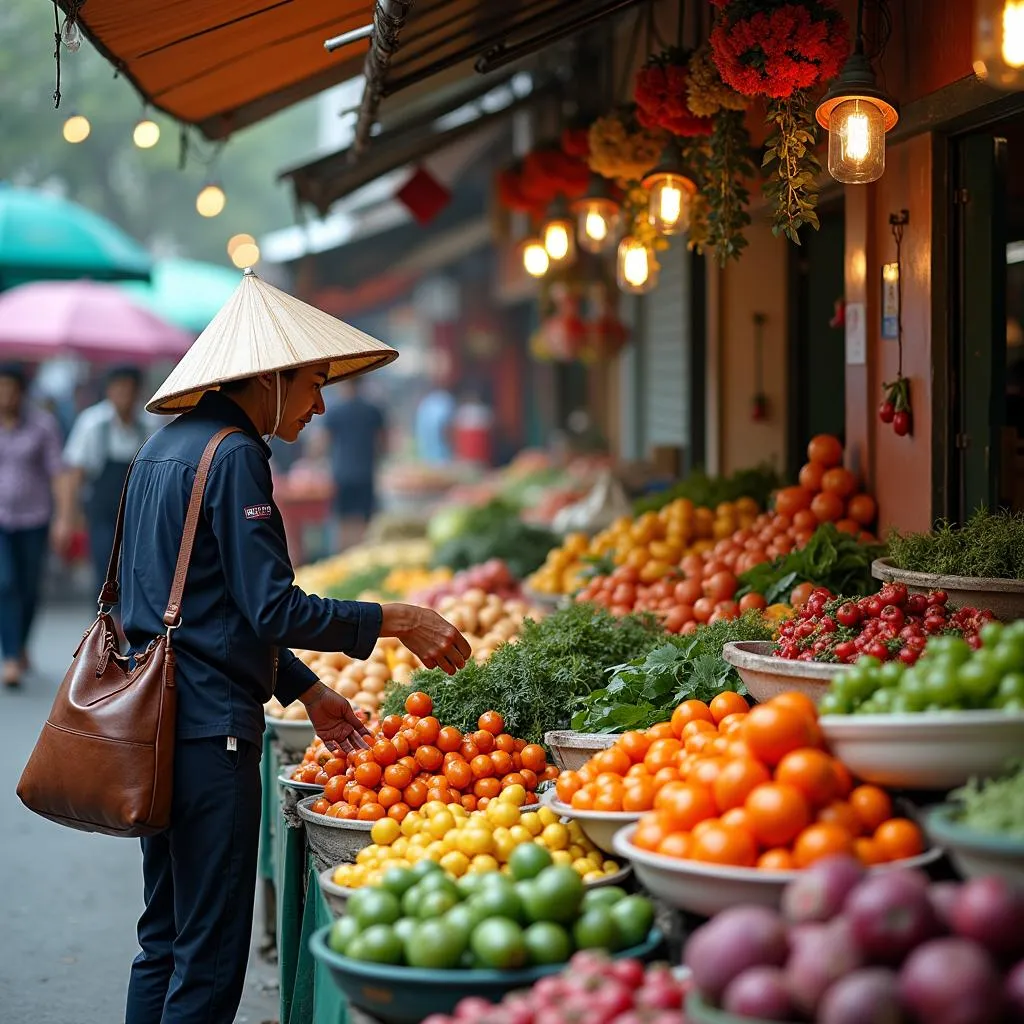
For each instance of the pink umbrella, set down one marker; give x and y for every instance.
(95, 321)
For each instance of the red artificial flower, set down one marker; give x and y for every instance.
(660, 96)
(576, 142)
(798, 45)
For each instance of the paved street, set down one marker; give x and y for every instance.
(69, 900)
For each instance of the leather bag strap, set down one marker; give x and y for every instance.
(110, 590)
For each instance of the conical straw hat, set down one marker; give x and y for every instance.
(261, 329)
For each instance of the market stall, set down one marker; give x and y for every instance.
(732, 716)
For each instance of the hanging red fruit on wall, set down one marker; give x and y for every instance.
(895, 409)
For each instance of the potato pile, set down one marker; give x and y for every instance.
(486, 620)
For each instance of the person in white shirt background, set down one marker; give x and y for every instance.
(98, 453)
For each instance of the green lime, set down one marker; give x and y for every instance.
(378, 944)
(438, 881)
(465, 917)
(468, 885)
(602, 896)
(528, 860)
(374, 906)
(438, 945)
(398, 881)
(498, 943)
(435, 904)
(424, 867)
(497, 901)
(547, 943)
(342, 932)
(634, 917)
(404, 927)
(411, 901)
(596, 929)
(556, 895)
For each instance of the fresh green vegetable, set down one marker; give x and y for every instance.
(535, 681)
(831, 559)
(647, 689)
(996, 805)
(989, 545)
(369, 580)
(710, 491)
(495, 531)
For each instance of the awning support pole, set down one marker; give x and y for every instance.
(388, 18)
(352, 36)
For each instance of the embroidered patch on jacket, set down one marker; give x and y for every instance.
(258, 511)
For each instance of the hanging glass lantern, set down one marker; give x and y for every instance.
(536, 261)
(636, 269)
(999, 43)
(671, 192)
(559, 234)
(597, 217)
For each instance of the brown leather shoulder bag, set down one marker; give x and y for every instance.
(104, 761)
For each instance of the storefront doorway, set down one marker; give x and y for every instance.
(986, 357)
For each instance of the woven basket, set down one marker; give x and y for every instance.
(571, 750)
(333, 840)
(335, 895)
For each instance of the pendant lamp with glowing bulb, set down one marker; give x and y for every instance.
(671, 191)
(536, 261)
(76, 129)
(211, 200)
(146, 133)
(636, 269)
(559, 234)
(857, 115)
(999, 43)
(597, 217)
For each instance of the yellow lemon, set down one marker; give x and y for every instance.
(576, 851)
(474, 842)
(547, 816)
(575, 832)
(532, 823)
(595, 858)
(609, 867)
(593, 876)
(520, 834)
(410, 826)
(555, 837)
(482, 863)
(503, 846)
(420, 841)
(428, 810)
(505, 815)
(582, 866)
(400, 846)
(458, 812)
(562, 858)
(434, 851)
(455, 863)
(440, 824)
(515, 795)
(385, 831)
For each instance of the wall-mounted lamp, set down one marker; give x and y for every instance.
(999, 42)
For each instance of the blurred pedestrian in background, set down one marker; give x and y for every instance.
(356, 429)
(99, 451)
(434, 416)
(30, 464)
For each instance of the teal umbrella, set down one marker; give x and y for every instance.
(187, 293)
(44, 237)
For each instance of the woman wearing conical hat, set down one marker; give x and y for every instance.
(259, 367)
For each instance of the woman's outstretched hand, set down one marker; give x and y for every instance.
(434, 640)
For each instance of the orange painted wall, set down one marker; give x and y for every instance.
(755, 284)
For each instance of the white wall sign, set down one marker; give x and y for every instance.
(856, 334)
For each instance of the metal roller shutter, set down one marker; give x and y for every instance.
(664, 393)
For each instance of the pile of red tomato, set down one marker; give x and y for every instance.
(892, 624)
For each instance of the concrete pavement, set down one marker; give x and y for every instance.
(69, 900)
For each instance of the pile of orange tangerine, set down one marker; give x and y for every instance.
(415, 760)
(752, 787)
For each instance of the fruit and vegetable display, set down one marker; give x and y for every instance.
(323, 576)
(593, 989)
(757, 484)
(495, 531)
(492, 577)
(951, 674)
(415, 759)
(533, 684)
(853, 948)
(501, 837)
(424, 917)
(647, 690)
(746, 787)
(886, 626)
(989, 545)
(995, 806)
(486, 620)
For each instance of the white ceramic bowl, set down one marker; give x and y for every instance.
(706, 889)
(293, 736)
(766, 676)
(927, 750)
(976, 854)
(598, 826)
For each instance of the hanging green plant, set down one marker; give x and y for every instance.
(792, 186)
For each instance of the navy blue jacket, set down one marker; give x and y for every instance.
(241, 610)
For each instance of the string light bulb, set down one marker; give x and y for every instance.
(560, 235)
(247, 254)
(146, 133)
(857, 115)
(670, 193)
(999, 43)
(636, 269)
(76, 129)
(236, 240)
(210, 201)
(536, 261)
(597, 217)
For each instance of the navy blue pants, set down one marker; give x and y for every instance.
(22, 561)
(200, 883)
